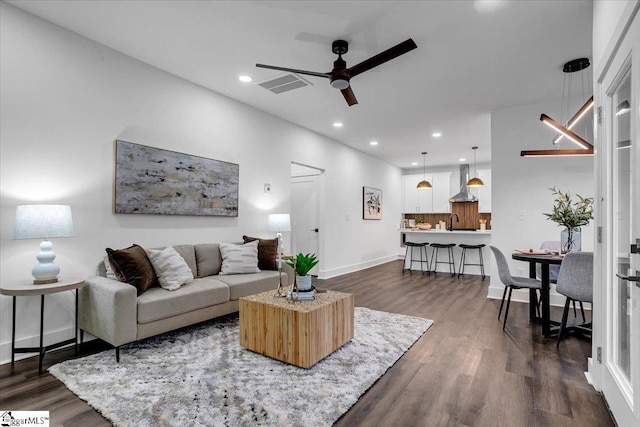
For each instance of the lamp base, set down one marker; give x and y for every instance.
(45, 271)
(45, 281)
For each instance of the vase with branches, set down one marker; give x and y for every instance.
(571, 215)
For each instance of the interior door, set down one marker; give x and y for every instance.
(620, 93)
(304, 213)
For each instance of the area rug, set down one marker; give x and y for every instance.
(201, 376)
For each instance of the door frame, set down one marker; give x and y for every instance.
(320, 173)
(601, 340)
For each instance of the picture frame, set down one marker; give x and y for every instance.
(371, 203)
(151, 180)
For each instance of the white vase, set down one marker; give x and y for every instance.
(304, 282)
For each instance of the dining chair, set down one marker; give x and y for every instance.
(554, 270)
(575, 281)
(511, 283)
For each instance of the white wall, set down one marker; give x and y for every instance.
(522, 184)
(606, 16)
(65, 99)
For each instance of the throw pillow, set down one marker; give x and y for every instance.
(172, 270)
(132, 265)
(267, 252)
(108, 270)
(239, 259)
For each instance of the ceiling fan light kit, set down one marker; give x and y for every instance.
(586, 149)
(340, 77)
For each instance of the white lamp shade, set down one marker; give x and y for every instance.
(43, 222)
(279, 222)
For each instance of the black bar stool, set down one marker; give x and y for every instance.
(408, 254)
(463, 262)
(451, 260)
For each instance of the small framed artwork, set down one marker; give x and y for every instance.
(371, 203)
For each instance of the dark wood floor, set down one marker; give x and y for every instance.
(464, 371)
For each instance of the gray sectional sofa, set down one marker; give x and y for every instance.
(112, 310)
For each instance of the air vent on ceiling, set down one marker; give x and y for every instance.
(284, 83)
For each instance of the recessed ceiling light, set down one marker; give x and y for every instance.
(414, 163)
(436, 134)
(462, 159)
(337, 124)
(245, 79)
(373, 143)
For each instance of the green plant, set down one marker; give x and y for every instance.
(569, 214)
(303, 263)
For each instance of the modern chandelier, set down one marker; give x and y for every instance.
(586, 148)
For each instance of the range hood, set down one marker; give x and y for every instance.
(464, 195)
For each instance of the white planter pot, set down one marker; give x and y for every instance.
(304, 282)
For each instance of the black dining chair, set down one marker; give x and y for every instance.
(575, 281)
(511, 282)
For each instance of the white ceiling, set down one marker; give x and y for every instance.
(473, 57)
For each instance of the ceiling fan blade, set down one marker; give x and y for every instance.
(382, 57)
(349, 96)
(293, 70)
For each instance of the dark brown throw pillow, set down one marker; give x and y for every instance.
(267, 252)
(131, 265)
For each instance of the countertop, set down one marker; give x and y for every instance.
(434, 231)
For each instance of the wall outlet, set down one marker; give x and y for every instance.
(522, 215)
(267, 188)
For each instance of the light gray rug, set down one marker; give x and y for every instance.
(201, 376)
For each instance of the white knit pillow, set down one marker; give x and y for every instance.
(108, 270)
(172, 270)
(239, 259)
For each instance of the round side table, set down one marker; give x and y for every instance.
(29, 289)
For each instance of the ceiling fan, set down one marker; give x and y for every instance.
(341, 75)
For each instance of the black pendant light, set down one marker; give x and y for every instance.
(424, 184)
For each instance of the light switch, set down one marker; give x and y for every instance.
(267, 188)
(347, 217)
(522, 215)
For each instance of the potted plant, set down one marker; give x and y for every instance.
(302, 265)
(571, 215)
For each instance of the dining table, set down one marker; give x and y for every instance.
(545, 259)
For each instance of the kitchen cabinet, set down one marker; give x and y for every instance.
(483, 193)
(427, 201)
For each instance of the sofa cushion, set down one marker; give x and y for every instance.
(188, 252)
(132, 265)
(171, 269)
(239, 259)
(242, 285)
(267, 252)
(208, 259)
(158, 303)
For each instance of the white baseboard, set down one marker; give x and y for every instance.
(51, 337)
(328, 274)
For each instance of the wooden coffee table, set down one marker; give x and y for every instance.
(301, 333)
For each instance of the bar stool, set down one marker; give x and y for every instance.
(463, 262)
(451, 259)
(422, 247)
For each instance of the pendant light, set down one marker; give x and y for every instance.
(424, 184)
(586, 149)
(475, 181)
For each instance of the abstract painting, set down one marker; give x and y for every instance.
(371, 203)
(155, 181)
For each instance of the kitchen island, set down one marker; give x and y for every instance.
(468, 237)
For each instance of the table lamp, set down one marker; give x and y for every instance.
(44, 222)
(279, 223)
